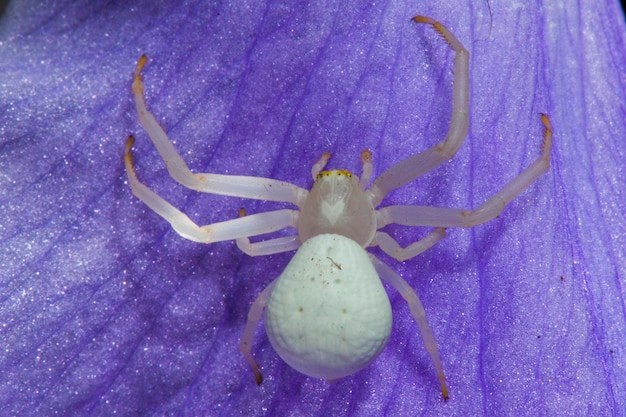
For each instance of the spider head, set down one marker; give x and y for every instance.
(337, 204)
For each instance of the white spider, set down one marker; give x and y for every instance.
(327, 314)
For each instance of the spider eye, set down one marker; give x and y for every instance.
(338, 172)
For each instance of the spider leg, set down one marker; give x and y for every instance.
(447, 217)
(320, 164)
(366, 175)
(256, 224)
(418, 164)
(267, 247)
(391, 247)
(230, 185)
(418, 313)
(254, 317)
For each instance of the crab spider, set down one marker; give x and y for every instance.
(327, 315)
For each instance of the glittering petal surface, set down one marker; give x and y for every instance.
(105, 310)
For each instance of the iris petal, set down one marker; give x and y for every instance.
(105, 309)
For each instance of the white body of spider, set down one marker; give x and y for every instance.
(327, 314)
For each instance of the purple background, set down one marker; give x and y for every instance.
(104, 309)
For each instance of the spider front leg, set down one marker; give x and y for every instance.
(230, 185)
(366, 162)
(416, 165)
(366, 174)
(257, 224)
(447, 217)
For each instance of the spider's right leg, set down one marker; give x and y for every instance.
(254, 225)
(418, 313)
(254, 317)
(366, 174)
(448, 217)
(393, 248)
(230, 185)
(418, 164)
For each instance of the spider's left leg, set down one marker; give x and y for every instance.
(319, 165)
(418, 313)
(416, 165)
(230, 185)
(254, 317)
(254, 225)
(447, 217)
(267, 247)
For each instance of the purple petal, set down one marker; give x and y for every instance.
(106, 310)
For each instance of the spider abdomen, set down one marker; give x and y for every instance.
(328, 315)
